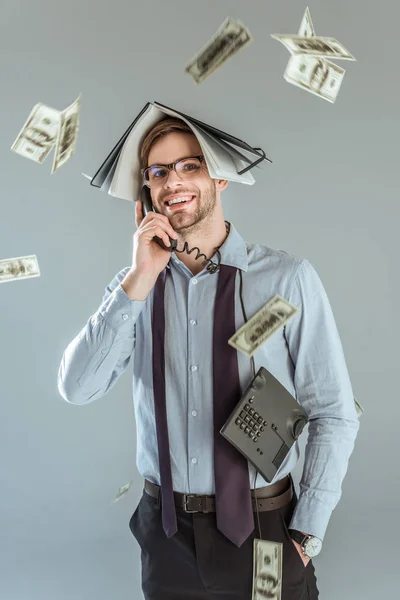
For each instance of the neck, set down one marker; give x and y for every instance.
(207, 243)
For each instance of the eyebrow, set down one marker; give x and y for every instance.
(174, 161)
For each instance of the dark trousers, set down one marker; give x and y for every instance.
(199, 562)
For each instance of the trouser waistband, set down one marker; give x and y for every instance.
(270, 497)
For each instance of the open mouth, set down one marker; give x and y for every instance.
(185, 201)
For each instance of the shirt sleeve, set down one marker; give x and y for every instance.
(96, 358)
(324, 390)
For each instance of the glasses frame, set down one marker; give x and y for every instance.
(170, 167)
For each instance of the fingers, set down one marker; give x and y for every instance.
(160, 229)
(141, 219)
(138, 212)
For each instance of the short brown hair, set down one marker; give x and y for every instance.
(161, 128)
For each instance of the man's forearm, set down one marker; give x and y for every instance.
(137, 285)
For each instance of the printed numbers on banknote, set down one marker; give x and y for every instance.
(24, 267)
(231, 37)
(47, 127)
(262, 325)
(267, 570)
(122, 491)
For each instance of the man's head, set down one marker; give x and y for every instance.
(167, 142)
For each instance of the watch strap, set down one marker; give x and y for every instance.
(298, 536)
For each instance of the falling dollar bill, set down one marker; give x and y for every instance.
(267, 570)
(359, 408)
(308, 68)
(316, 75)
(315, 46)
(306, 28)
(47, 127)
(122, 491)
(24, 267)
(68, 133)
(262, 325)
(231, 37)
(38, 135)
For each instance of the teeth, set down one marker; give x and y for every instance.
(177, 200)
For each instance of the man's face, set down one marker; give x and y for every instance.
(203, 189)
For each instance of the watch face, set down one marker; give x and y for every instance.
(313, 547)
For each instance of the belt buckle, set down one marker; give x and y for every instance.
(185, 502)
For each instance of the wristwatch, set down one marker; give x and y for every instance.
(310, 544)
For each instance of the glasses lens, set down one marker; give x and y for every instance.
(156, 175)
(188, 168)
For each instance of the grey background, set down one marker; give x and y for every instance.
(330, 196)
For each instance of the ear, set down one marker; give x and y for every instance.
(221, 184)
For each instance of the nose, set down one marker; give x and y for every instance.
(172, 179)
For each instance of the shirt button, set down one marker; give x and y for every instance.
(194, 281)
(193, 322)
(193, 368)
(194, 413)
(125, 317)
(194, 460)
(103, 351)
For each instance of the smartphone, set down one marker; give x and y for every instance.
(148, 205)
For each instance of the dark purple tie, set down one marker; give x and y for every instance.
(234, 508)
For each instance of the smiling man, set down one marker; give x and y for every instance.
(197, 520)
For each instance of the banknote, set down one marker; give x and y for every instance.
(39, 134)
(68, 133)
(306, 28)
(274, 314)
(47, 127)
(316, 46)
(23, 267)
(359, 408)
(267, 570)
(122, 491)
(316, 75)
(227, 41)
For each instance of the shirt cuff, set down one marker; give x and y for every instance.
(311, 516)
(121, 312)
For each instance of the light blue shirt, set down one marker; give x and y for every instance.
(306, 356)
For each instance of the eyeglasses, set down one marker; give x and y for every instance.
(185, 168)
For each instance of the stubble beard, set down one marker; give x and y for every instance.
(202, 213)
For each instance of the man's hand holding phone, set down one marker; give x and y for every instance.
(148, 257)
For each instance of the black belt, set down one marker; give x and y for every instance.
(270, 497)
